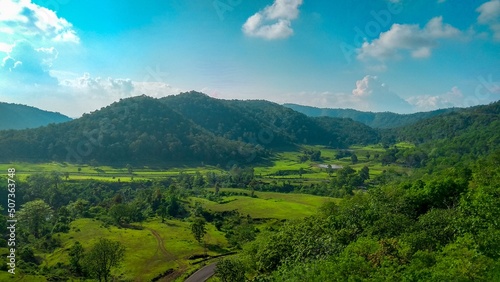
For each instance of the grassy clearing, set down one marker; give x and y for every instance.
(313, 171)
(144, 258)
(287, 161)
(103, 173)
(268, 204)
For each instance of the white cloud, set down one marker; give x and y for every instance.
(452, 98)
(418, 42)
(24, 19)
(274, 21)
(489, 14)
(25, 64)
(5, 48)
(374, 95)
(116, 88)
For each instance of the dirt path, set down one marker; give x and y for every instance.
(161, 245)
(167, 256)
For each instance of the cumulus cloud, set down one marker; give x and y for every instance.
(452, 98)
(376, 96)
(77, 94)
(274, 21)
(26, 19)
(25, 64)
(489, 14)
(112, 89)
(369, 95)
(410, 38)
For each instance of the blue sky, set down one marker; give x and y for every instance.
(382, 55)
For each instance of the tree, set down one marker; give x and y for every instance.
(364, 173)
(76, 255)
(130, 169)
(35, 215)
(198, 229)
(217, 189)
(329, 169)
(230, 270)
(354, 158)
(102, 257)
(121, 213)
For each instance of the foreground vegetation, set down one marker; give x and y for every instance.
(345, 202)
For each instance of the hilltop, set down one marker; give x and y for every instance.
(15, 116)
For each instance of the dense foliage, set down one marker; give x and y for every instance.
(439, 228)
(189, 127)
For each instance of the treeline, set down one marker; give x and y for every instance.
(375, 120)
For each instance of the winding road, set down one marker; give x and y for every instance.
(203, 274)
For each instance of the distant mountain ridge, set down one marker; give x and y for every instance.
(381, 120)
(16, 116)
(189, 127)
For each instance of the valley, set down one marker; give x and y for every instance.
(268, 192)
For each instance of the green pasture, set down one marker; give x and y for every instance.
(267, 204)
(144, 258)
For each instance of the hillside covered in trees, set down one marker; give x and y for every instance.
(15, 116)
(375, 120)
(187, 127)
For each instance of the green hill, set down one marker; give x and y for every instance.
(375, 120)
(465, 133)
(15, 116)
(189, 127)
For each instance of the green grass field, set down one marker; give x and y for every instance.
(287, 161)
(146, 255)
(268, 204)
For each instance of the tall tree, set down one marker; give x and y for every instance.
(35, 216)
(76, 255)
(102, 257)
(198, 229)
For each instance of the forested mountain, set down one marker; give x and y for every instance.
(465, 133)
(267, 123)
(187, 127)
(375, 120)
(14, 116)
